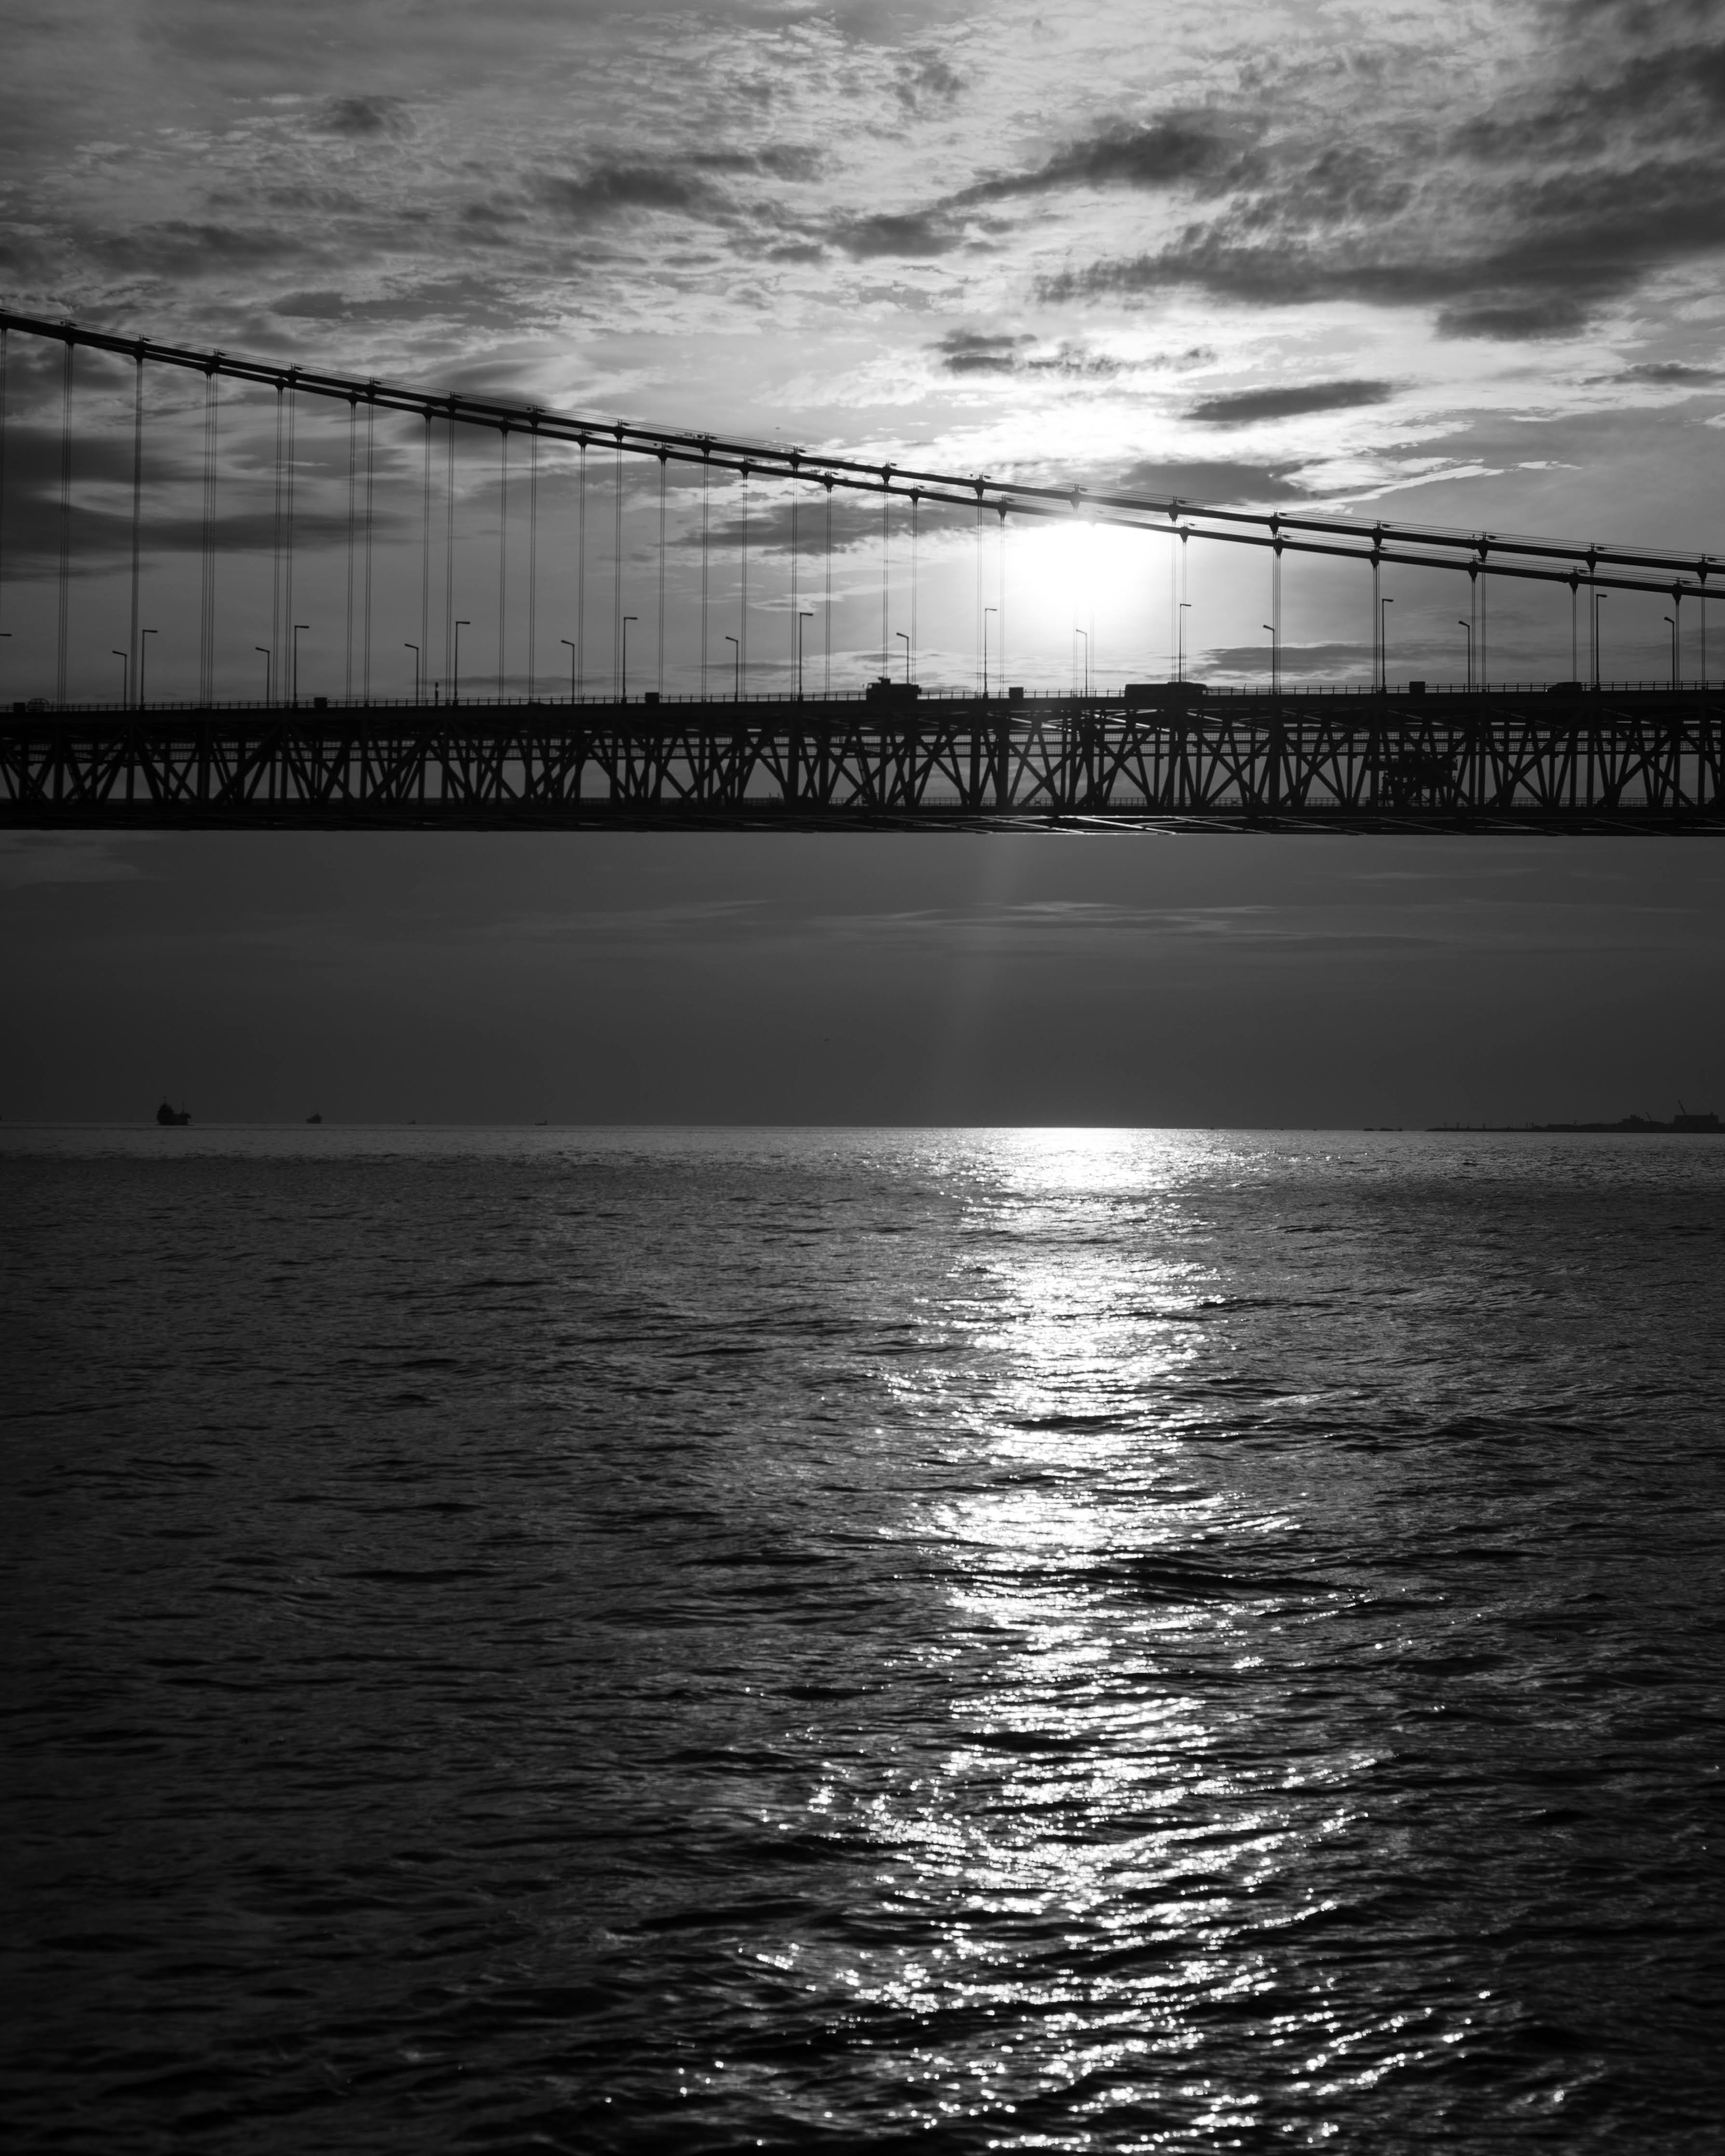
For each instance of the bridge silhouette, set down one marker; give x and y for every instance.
(1578, 756)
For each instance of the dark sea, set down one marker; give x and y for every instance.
(945, 1640)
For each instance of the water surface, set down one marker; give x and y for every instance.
(617, 1642)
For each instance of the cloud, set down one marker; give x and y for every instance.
(1669, 371)
(966, 352)
(180, 249)
(914, 234)
(1175, 148)
(466, 297)
(607, 190)
(926, 79)
(1306, 659)
(1587, 175)
(1540, 288)
(1240, 407)
(1199, 479)
(367, 116)
(855, 523)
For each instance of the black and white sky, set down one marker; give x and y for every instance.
(1456, 262)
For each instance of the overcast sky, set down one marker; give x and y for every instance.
(1448, 261)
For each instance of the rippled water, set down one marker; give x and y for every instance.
(1010, 1641)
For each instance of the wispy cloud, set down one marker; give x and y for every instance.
(1240, 408)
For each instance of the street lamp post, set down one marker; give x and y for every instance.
(1084, 633)
(737, 676)
(1383, 646)
(801, 619)
(1185, 608)
(143, 655)
(1671, 625)
(987, 611)
(904, 638)
(1275, 658)
(1599, 599)
(414, 648)
(124, 658)
(1466, 627)
(269, 672)
(623, 670)
(294, 697)
(568, 642)
(455, 686)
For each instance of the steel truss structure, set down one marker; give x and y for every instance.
(1556, 761)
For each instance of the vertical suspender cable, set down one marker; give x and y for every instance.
(1000, 593)
(827, 611)
(138, 519)
(287, 543)
(1185, 586)
(1377, 627)
(532, 555)
(706, 474)
(424, 666)
(1174, 605)
(364, 676)
(796, 678)
(743, 588)
(275, 545)
(206, 608)
(1484, 647)
(885, 638)
(915, 518)
(3, 357)
(1090, 640)
(616, 569)
(664, 468)
(65, 520)
(450, 556)
(353, 514)
(982, 620)
(581, 572)
(1474, 654)
(502, 552)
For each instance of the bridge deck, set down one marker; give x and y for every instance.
(1566, 760)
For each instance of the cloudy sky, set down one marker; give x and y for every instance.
(1457, 262)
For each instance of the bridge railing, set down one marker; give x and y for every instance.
(1214, 693)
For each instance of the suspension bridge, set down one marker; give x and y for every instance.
(706, 745)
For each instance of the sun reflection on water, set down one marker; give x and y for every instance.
(1091, 1888)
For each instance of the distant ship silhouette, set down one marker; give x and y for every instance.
(166, 1115)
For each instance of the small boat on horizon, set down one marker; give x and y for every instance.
(167, 1116)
